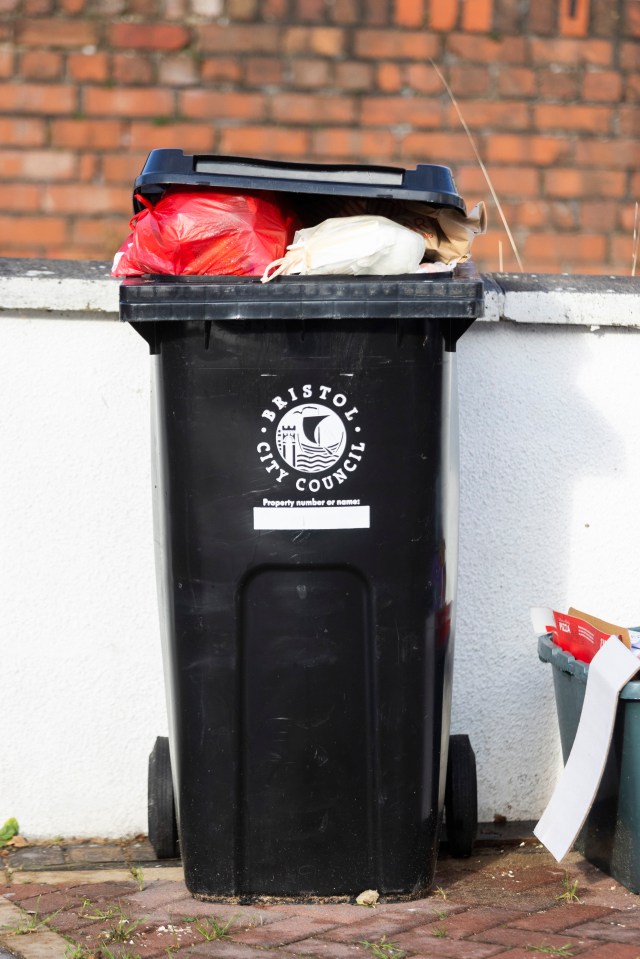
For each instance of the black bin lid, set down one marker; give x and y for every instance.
(428, 182)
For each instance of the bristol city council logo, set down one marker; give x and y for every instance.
(313, 432)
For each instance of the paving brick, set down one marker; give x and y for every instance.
(96, 891)
(240, 916)
(282, 932)
(371, 928)
(473, 921)
(609, 951)
(321, 947)
(510, 936)
(613, 931)
(558, 918)
(232, 950)
(158, 894)
(422, 942)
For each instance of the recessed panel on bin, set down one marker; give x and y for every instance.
(306, 739)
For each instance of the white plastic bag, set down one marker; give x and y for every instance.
(351, 245)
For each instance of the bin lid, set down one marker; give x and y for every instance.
(429, 183)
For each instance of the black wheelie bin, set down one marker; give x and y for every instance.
(305, 447)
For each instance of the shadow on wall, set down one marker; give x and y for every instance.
(549, 467)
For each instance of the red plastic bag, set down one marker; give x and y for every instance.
(191, 232)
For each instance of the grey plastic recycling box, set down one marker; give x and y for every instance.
(305, 442)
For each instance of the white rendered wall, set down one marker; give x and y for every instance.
(550, 460)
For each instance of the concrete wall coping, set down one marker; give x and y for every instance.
(81, 287)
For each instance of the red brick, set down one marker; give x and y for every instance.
(474, 49)
(7, 63)
(265, 141)
(282, 932)
(584, 183)
(239, 38)
(41, 65)
(353, 143)
(415, 111)
(527, 939)
(38, 230)
(274, 9)
(630, 56)
(312, 109)
(242, 9)
(548, 116)
(312, 11)
(22, 132)
(88, 67)
(629, 121)
(263, 71)
(84, 198)
(128, 102)
(73, 6)
(596, 52)
(123, 167)
(632, 18)
(389, 77)
(426, 942)
(32, 98)
(376, 12)
(422, 78)
(559, 84)
(190, 137)
(542, 18)
(574, 18)
(472, 80)
(352, 75)
(408, 13)
(632, 87)
(38, 165)
(443, 14)
(324, 41)
(484, 115)
(517, 82)
(518, 148)
(583, 248)
(614, 154)
(25, 200)
(602, 85)
(57, 33)
(434, 147)
(477, 17)
(148, 36)
(88, 167)
(344, 12)
(221, 69)
(199, 104)
(395, 44)
(307, 73)
(180, 70)
(132, 68)
(81, 134)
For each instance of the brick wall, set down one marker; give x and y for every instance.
(549, 89)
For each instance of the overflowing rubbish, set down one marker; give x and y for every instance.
(190, 232)
(206, 232)
(351, 245)
(581, 634)
(612, 667)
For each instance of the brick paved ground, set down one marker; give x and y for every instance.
(501, 902)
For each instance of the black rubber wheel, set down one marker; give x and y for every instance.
(163, 827)
(461, 797)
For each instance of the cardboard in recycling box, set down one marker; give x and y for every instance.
(610, 837)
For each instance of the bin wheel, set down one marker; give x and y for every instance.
(163, 827)
(461, 797)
